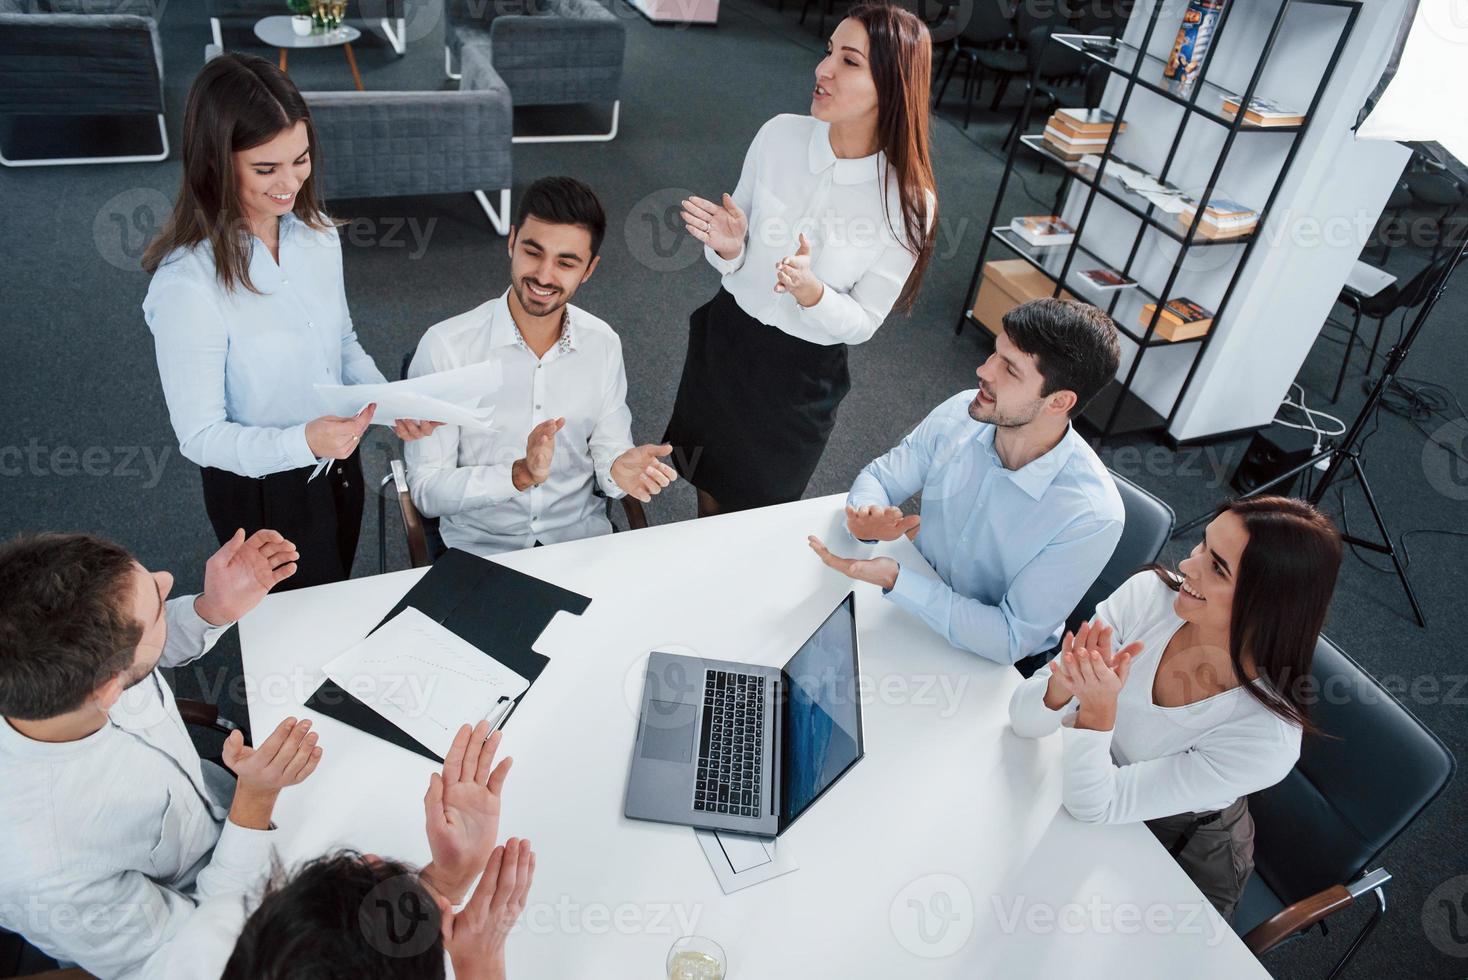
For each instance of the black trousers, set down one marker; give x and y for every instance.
(323, 518)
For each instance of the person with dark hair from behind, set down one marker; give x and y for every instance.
(349, 916)
(113, 826)
(561, 425)
(1018, 514)
(1202, 704)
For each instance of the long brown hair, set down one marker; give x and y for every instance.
(237, 102)
(1283, 585)
(900, 51)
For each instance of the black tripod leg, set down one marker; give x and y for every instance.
(1260, 489)
(1386, 537)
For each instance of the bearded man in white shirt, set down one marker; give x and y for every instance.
(561, 424)
(113, 826)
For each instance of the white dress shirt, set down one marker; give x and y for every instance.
(1014, 550)
(1156, 761)
(238, 367)
(463, 476)
(793, 182)
(111, 839)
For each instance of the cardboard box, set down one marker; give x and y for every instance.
(1006, 284)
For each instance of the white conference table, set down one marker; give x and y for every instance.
(943, 853)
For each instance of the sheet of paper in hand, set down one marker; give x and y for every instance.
(456, 397)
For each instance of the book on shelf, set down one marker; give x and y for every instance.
(1069, 152)
(1043, 230)
(1222, 218)
(1085, 122)
(1107, 279)
(1181, 319)
(1262, 112)
(1067, 141)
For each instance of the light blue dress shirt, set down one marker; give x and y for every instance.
(1015, 549)
(238, 367)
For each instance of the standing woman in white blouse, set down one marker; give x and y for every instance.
(248, 310)
(828, 230)
(1204, 702)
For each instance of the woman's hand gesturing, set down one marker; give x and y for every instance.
(721, 227)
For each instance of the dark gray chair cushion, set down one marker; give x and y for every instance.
(80, 64)
(392, 144)
(549, 52)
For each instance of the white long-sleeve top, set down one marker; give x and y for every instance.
(463, 476)
(111, 839)
(239, 368)
(1156, 761)
(793, 182)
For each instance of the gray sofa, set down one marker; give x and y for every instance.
(398, 144)
(549, 52)
(387, 15)
(81, 58)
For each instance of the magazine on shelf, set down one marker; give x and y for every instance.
(1107, 279)
(1043, 230)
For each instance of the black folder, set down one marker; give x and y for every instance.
(484, 603)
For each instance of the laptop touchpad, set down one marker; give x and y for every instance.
(667, 731)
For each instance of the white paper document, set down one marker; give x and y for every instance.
(456, 397)
(739, 860)
(426, 680)
(1368, 280)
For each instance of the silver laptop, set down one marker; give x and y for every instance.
(733, 746)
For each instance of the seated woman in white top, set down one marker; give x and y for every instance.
(1202, 705)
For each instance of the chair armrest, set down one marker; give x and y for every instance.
(636, 516)
(1294, 918)
(204, 715)
(412, 519)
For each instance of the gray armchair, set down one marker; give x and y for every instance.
(80, 58)
(388, 15)
(549, 52)
(392, 144)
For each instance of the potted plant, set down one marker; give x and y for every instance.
(301, 16)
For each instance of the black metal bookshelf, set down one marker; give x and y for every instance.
(1119, 410)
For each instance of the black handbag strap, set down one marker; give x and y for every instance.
(1201, 820)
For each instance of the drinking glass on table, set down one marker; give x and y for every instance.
(696, 958)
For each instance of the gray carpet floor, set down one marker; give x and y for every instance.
(79, 388)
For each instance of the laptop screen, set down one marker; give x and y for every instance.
(821, 714)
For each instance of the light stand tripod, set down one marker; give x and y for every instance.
(1348, 451)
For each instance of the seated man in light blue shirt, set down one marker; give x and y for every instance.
(1018, 514)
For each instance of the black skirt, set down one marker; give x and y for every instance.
(322, 518)
(755, 407)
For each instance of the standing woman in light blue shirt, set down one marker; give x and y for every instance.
(248, 311)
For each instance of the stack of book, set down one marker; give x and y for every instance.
(1181, 319)
(1222, 218)
(1043, 230)
(1263, 112)
(1073, 133)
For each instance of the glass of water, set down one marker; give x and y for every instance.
(697, 958)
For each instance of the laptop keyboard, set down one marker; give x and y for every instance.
(730, 747)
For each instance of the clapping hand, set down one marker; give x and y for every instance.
(873, 523)
(1088, 670)
(639, 472)
(462, 808)
(237, 576)
(337, 437)
(475, 937)
(288, 756)
(721, 227)
(877, 571)
(793, 275)
(540, 448)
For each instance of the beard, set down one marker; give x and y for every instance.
(533, 304)
(1005, 418)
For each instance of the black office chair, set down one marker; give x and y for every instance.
(1030, 26)
(1318, 831)
(1399, 297)
(1149, 523)
(990, 28)
(1050, 64)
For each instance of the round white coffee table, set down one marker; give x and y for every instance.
(278, 33)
